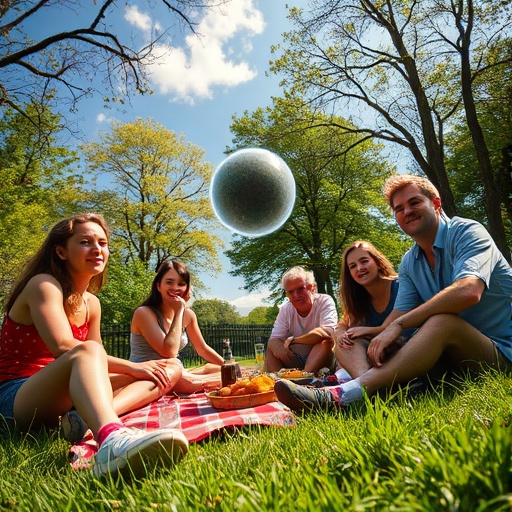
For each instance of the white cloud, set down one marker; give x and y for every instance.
(101, 118)
(214, 57)
(134, 17)
(252, 301)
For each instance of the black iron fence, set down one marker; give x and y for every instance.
(116, 339)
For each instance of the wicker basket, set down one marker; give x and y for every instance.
(241, 401)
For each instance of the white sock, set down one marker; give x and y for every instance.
(352, 391)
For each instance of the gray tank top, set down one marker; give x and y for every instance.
(141, 350)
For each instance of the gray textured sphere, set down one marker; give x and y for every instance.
(252, 192)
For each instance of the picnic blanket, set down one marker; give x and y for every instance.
(193, 415)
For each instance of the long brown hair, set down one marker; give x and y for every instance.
(355, 299)
(155, 297)
(46, 260)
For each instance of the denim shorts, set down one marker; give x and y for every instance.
(8, 390)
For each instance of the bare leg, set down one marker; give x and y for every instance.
(321, 356)
(355, 359)
(450, 334)
(80, 378)
(131, 394)
(192, 382)
(206, 369)
(274, 363)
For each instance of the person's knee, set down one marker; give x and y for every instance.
(174, 368)
(442, 321)
(88, 348)
(342, 355)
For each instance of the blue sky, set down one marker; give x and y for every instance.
(199, 84)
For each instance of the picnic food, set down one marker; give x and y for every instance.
(294, 374)
(260, 384)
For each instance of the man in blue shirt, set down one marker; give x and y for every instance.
(455, 288)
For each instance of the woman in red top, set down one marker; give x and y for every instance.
(52, 358)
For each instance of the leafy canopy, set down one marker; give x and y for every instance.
(338, 182)
(159, 207)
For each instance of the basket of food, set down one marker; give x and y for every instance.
(244, 393)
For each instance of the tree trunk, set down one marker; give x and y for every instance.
(492, 194)
(433, 166)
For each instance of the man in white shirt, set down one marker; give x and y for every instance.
(300, 336)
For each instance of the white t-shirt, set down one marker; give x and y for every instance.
(290, 323)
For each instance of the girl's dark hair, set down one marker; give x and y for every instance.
(155, 298)
(355, 300)
(46, 260)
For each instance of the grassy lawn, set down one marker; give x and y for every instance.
(444, 450)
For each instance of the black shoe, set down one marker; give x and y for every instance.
(299, 398)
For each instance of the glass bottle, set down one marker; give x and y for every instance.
(230, 370)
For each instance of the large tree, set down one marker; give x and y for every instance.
(494, 105)
(79, 48)
(405, 71)
(159, 207)
(338, 197)
(38, 185)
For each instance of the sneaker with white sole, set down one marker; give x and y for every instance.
(304, 398)
(133, 449)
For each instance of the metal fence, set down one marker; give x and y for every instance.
(116, 339)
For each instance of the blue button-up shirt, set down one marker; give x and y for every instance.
(463, 248)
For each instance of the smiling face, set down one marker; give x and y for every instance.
(173, 285)
(415, 213)
(362, 266)
(86, 250)
(300, 293)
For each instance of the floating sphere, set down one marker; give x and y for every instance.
(252, 192)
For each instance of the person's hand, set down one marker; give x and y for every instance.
(381, 342)
(175, 302)
(360, 331)
(289, 341)
(345, 338)
(152, 370)
(282, 353)
(344, 341)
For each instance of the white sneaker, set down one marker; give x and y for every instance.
(132, 449)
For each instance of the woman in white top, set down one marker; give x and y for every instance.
(163, 324)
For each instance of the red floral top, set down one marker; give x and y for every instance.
(23, 352)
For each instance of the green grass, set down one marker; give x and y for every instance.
(448, 449)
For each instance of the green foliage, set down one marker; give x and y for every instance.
(261, 315)
(338, 179)
(446, 450)
(128, 285)
(494, 94)
(158, 205)
(38, 186)
(412, 74)
(215, 311)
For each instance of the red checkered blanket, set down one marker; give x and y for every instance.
(194, 415)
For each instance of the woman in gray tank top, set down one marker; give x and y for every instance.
(163, 325)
